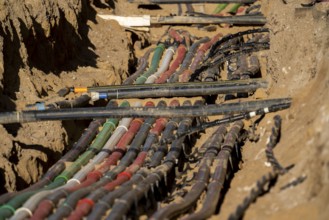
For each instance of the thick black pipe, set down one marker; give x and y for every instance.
(219, 176)
(123, 204)
(94, 190)
(228, 119)
(154, 160)
(109, 197)
(179, 89)
(212, 146)
(219, 60)
(143, 62)
(78, 147)
(188, 59)
(80, 101)
(216, 46)
(103, 112)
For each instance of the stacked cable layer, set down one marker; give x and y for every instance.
(135, 158)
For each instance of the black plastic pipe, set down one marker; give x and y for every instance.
(94, 190)
(188, 59)
(212, 146)
(80, 101)
(178, 89)
(216, 46)
(103, 112)
(123, 204)
(219, 176)
(107, 201)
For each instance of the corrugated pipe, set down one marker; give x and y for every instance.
(154, 64)
(74, 198)
(246, 48)
(80, 176)
(143, 62)
(8, 209)
(181, 51)
(85, 205)
(122, 205)
(212, 147)
(78, 147)
(95, 175)
(184, 77)
(167, 57)
(107, 201)
(218, 178)
(215, 47)
(188, 59)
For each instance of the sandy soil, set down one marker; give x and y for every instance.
(66, 44)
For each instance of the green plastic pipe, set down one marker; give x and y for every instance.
(234, 8)
(220, 7)
(154, 64)
(94, 148)
(9, 208)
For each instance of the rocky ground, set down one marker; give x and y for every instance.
(54, 44)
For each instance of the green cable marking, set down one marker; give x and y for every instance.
(154, 64)
(61, 176)
(220, 7)
(234, 8)
(12, 209)
(110, 122)
(162, 46)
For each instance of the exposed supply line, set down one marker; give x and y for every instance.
(154, 64)
(116, 153)
(228, 119)
(123, 204)
(10, 207)
(143, 63)
(222, 168)
(84, 205)
(167, 57)
(101, 112)
(108, 199)
(185, 75)
(78, 177)
(188, 59)
(186, 89)
(147, 20)
(135, 147)
(212, 147)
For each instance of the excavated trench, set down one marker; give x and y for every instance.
(60, 44)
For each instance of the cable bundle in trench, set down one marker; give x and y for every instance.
(140, 154)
